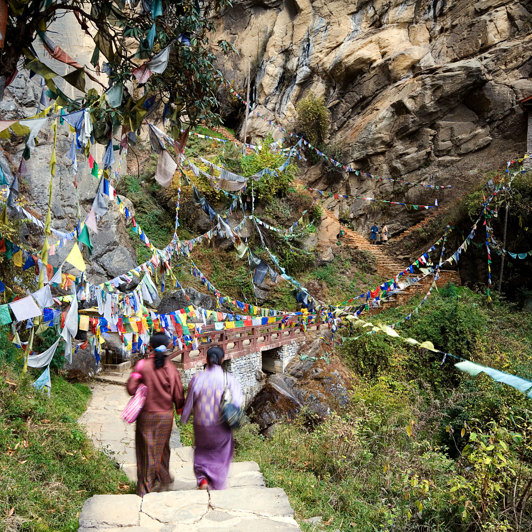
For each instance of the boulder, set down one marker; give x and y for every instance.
(175, 300)
(312, 383)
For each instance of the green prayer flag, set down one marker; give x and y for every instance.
(84, 238)
(76, 78)
(5, 316)
(95, 170)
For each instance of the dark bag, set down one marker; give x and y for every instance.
(231, 415)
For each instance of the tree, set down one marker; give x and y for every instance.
(125, 33)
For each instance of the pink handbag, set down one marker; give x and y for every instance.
(135, 404)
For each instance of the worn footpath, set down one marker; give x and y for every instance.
(246, 505)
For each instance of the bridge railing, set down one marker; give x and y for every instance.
(241, 341)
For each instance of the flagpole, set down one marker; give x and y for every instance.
(247, 109)
(503, 255)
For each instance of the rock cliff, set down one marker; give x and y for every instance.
(430, 87)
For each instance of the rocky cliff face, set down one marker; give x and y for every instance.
(412, 86)
(113, 254)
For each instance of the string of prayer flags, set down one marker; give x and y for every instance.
(332, 161)
(523, 385)
(500, 250)
(362, 198)
(489, 256)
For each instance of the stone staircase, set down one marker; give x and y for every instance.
(247, 504)
(330, 226)
(387, 267)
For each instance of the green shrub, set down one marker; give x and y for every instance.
(313, 119)
(453, 322)
(370, 355)
(268, 186)
(493, 483)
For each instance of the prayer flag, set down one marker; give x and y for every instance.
(25, 308)
(76, 258)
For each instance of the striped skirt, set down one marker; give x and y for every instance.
(152, 446)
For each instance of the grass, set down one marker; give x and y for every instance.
(151, 213)
(48, 465)
(403, 455)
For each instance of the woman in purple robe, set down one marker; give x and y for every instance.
(213, 439)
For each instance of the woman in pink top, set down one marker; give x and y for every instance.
(154, 424)
(213, 439)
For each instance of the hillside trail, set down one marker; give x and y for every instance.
(330, 226)
(246, 505)
(387, 266)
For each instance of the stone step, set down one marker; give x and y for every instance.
(112, 378)
(241, 474)
(238, 509)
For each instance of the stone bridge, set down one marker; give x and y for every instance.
(249, 351)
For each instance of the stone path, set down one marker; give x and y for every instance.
(246, 505)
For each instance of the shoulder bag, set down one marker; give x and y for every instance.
(231, 415)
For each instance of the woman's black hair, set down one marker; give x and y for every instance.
(156, 341)
(215, 355)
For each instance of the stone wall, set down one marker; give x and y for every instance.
(287, 353)
(245, 370)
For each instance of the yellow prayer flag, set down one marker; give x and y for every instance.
(76, 258)
(428, 345)
(17, 258)
(53, 161)
(83, 323)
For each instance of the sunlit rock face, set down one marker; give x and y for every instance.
(412, 86)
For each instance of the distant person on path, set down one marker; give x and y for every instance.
(374, 233)
(339, 236)
(154, 424)
(213, 439)
(384, 234)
